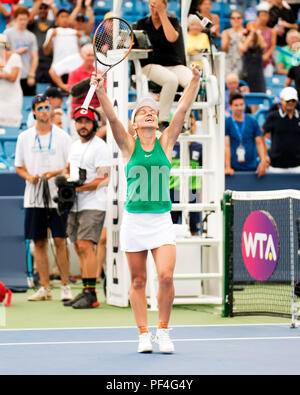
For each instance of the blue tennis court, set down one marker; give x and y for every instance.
(199, 350)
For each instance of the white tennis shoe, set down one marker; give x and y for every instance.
(41, 294)
(145, 342)
(65, 293)
(162, 338)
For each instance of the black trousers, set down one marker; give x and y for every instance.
(27, 90)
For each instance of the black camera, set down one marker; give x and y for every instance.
(66, 193)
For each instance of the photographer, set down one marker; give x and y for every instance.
(88, 155)
(41, 154)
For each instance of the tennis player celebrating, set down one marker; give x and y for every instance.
(147, 223)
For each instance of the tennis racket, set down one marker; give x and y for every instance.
(112, 34)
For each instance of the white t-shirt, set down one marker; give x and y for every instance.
(68, 64)
(90, 155)
(40, 154)
(18, 39)
(64, 44)
(11, 95)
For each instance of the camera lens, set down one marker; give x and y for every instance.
(67, 193)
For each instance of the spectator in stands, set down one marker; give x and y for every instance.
(60, 71)
(233, 84)
(82, 19)
(195, 161)
(290, 53)
(196, 40)
(5, 11)
(62, 40)
(24, 42)
(204, 8)
(244, 141)
(230, 40)
(81, 73)
(269, 35)
(41, 154)
(56, 98)
(11, 97)
(252, 49)
(294, 77)
(56, 117)
(283, 128)
(166, 64)
(282, 16)
(87, 215)
(39, 24)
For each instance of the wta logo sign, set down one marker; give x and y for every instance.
(260, 245)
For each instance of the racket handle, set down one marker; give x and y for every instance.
(89, 96)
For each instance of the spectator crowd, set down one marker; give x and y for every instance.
(51, 45)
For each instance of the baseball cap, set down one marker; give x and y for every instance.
(41, 97)
(147, 101)
(193, 18)
(82, 112)
(53, 91)
(289, 93)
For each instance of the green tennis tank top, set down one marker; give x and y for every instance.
(148, 178)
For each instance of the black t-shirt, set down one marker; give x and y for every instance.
(39, 28)
(286, 15)
(285, 138)
(163, 52)
(294, 74)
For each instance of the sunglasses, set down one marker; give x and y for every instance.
(236, 18)
(41, 108)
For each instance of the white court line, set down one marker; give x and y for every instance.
(224, 339)
(284, 324)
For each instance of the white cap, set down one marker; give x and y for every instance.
(263, 6)
(193, 18)
(145, 102)
(289, 93)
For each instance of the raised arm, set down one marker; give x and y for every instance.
(171, 133)
(170, 32)
(124, 140)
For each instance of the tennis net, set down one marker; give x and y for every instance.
(261, 256)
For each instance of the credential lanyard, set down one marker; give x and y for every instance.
(39, 141)
(240, 132)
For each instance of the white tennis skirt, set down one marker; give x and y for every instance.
(145, 231)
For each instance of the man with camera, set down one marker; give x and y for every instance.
(41, 154)
(88, 172)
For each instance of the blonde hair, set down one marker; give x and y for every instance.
(56, 111)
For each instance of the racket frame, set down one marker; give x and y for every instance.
(92, 89)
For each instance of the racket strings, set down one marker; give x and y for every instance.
(113, 34)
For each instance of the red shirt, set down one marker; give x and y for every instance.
(75, 76)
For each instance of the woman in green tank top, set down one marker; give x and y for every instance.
(147, 223)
